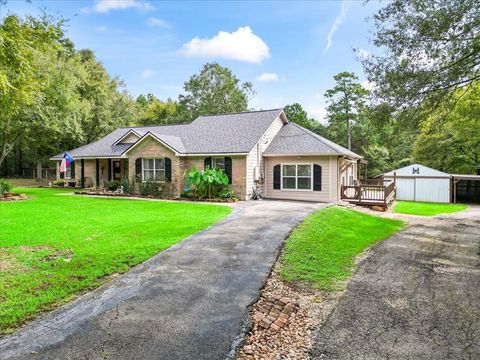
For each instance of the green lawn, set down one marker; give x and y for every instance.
(56, 246)
(426, 209)
(321, 252)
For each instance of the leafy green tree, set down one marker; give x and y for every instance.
(450, 140)
(153, 111)
(297, 114)
(100, 96)
(346, 100)
(214, 90)
(20, 84)
(428, 48)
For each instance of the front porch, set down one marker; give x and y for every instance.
(373, 192)
(95, 172)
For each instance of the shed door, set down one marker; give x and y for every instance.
(433, 190)
(406, 189)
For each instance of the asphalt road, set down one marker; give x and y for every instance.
(417, 296)
(188, 302)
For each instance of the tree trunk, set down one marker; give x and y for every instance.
(39, 170)
(349, 135)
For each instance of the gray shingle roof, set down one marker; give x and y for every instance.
(210, 134)
(294, 139)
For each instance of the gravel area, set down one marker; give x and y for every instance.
(289, 336)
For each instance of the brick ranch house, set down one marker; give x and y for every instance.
(256, 149)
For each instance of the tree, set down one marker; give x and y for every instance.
(346, 100)
(152, 111)
(298, 115)
(25, 44)
(450, 141)
(214, 90)
(100, 97)
(428, 49)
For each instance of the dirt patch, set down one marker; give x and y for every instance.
(13, 259)
(10, 264)
(291, 337)
(13, 197)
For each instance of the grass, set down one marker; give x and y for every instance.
(426, 209)
(56, 246)
(321, 252)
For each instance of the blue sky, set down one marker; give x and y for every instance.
(288, 50)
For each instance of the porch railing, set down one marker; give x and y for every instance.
(374, 192)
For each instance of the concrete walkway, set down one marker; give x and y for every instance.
(188, 302)
(415, 296)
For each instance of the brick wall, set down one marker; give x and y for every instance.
(150, 148)
(239, 170)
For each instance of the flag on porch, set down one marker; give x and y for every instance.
(66, 161)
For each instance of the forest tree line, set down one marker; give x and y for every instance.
(424, 106)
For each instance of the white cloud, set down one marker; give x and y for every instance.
(104, 6)
(156, 22)
(146, 74)
(318, 113)
(338, 21)
(242, 45)
(265, 77)
(363, 54)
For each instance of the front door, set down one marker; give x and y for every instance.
(117, 170)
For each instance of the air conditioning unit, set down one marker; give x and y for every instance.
(256, 173)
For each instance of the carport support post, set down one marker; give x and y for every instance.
(82, 173)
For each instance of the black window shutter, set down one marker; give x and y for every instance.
(62, 175)
(72, 170)
(276, 177)
(317, 178)
(228, 168)
(109, 169)
(168, 169)
(138, 168)
(207, 163)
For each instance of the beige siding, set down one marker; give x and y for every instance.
(329, 179)
(255, 157)
(130, 139)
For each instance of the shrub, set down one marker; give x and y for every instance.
(157, 187)
(60, 183)
(113, 185)
(207, 184)
(128, 186)
(5, 186)
(226, 193)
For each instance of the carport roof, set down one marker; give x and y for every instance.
(465, 177)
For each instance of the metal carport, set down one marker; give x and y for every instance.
(466, 188)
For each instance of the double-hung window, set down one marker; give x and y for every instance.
(297, 176)
(68, 173)
(218, 162)
(153, 170)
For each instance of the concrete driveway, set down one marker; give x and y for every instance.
(416, 296)
(188, 302)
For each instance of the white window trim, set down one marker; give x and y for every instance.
(213, 162)
(154, 170)
(296, 176)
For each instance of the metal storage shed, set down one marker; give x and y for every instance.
(421, 183)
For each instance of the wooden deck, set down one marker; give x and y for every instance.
(369, 193)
